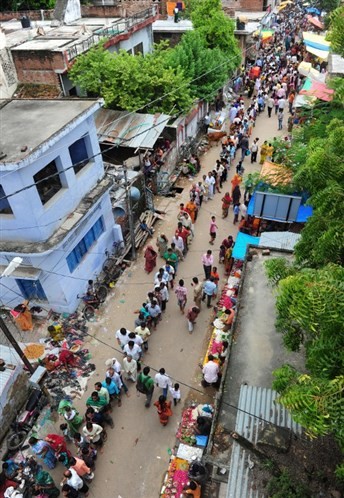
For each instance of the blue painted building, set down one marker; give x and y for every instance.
(57, 213)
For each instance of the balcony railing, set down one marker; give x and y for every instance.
(123, 25)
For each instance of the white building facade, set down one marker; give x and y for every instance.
(55, 209)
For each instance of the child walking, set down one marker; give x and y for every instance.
(212, 230)
(181, 293)
(175, 393)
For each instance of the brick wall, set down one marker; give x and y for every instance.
(34, 15)
(38, 66)
(123, 9)
(246, 5)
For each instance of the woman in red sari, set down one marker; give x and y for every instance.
(150, 256)
(164, 409)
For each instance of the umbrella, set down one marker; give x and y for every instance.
(267, 33)
(313, 10)
(316, 89)
(315, 22)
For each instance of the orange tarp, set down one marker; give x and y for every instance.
(275, 174)
(171, 6)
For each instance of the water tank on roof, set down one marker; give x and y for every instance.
(25, 22)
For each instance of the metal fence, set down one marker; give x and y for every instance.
(123, 25)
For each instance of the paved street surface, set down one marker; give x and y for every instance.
(136, 453)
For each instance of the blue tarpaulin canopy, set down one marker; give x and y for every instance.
(241, 243)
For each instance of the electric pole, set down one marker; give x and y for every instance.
(15, 345)
(130, 213)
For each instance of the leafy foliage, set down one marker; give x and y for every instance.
(206, 68)
(26, 5)
(131, 82)
(316, 403)
(278, 269)
(283, 486)
(322, 175)
(216, 28)
(336, 34)
(310, 308)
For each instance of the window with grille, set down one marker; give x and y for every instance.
(75, 257)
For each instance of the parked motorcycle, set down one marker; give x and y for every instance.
(24, 422)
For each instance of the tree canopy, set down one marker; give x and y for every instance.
(206, 68)
(310, 291)
(131, 82)
(216, 28)
(336, 34)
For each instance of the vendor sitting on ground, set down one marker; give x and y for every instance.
(56, 332)
(188, 168)
(67, 359)
(192, 489)
(203, 426)
(227, 319)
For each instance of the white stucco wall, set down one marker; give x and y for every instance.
(27, 207)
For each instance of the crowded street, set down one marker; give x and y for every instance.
(148, 343)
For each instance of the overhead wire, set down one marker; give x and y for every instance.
(186, 83)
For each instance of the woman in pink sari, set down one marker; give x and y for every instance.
(150, 256)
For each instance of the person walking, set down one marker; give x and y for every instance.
(236, 211)
(226, 202)
(254, 150)
(208, 261)
(163, 381)
(197, 291)
(245, 146)
(212, 230)
(181, 293)
(130, 368)
(191, 316)
(71, 478)
(150, 256)
(270, 105)
(164, 410)
(211, 373)
(145, 385)
(209, 287)
(280, 117)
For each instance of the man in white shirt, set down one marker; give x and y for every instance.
(211, 373)
(133, 349)
(122, 336)
(72, 479)
(130, 368)
(281, 104)
(210, 181)
(163, 381)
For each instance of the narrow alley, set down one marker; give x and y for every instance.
(136, 454)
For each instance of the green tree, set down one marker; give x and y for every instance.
(315, 403)
(216, 28)
(131, 82)
(205, 67)
(336, 34)
(310, 311)
(319, 170)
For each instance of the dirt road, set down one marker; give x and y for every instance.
(136, 454)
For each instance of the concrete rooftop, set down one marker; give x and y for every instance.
(30, 123)
(54, 37)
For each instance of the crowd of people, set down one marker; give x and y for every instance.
(271, 84)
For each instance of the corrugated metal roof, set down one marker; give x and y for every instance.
(279, 240)
(130, 129)
(253, 402)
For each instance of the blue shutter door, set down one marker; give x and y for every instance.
(31, 289)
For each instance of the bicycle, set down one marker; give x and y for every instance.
(111, 258)
(92, 303)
